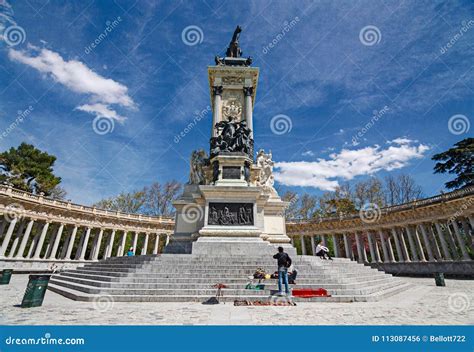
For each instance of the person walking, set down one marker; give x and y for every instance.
(131, 252)
(284, 262)
(322, 251)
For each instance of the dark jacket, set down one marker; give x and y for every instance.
(283, 259)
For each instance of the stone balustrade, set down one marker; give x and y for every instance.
(36, 229)
(429, 231)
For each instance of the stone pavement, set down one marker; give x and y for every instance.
(423, 304)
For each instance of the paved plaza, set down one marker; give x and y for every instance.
(423, 304)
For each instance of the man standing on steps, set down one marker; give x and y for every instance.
(284, 262)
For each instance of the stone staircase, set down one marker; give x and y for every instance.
(188, 278)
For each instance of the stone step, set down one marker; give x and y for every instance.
(208, 282)
(222, 273)
(213, 280)
(335, 289)
(79, 296)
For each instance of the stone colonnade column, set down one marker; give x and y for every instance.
(70, 244)
(84, 244)
(145, 243)
(6, 240)
(39, 246)
(303, 247)
(157, 244)
(216, 116)
(248, 92)
(24, 240)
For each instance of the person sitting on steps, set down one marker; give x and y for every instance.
(322, 251)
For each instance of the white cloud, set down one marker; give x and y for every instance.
(308, 153)
(79, 78)
(347, 164)
(101, 110)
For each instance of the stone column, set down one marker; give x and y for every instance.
(414, 254)
(157, 244)
(359, 245)
(98, 242)
(444, 245)
(216, 116)
(167, 239)
(24, 240)
(145, 243)
(8, 236)
(16, 239)
(2, 226)
(404, 246)
(67, 238)
(347, 246)
(450, 241)
(336, 246)
(434, 242)
(110, 245)
(397, 245)
(469, 234)
(121, 249)
(135, 241)
(427, 242)
(85, 242)
(57, 239)
(34, 242)
(462, 244)
(373, 256)
(313, 245)
(248, 92)
(386, 258)
(50, 241)
(418, 244)
(39, 247)
(70, 244)
(303, 247)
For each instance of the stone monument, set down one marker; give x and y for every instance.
(229, 206)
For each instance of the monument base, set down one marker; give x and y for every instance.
(236, 246)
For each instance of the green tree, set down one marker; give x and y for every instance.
(29, 169)
(458, 160)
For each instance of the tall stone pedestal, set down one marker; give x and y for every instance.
(230, 207)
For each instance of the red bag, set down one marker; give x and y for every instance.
(310, 292)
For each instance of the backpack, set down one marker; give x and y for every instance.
(288, 261)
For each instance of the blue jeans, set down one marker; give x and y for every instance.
(283, 278)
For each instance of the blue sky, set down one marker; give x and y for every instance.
(330, 66)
